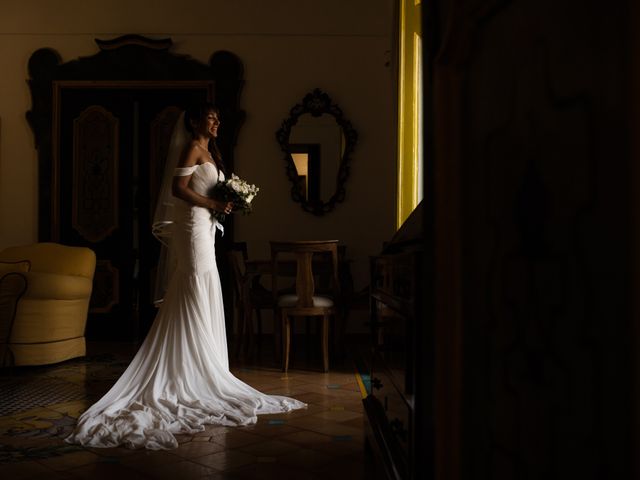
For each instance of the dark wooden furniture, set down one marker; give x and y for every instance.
(250, 296)
(304, 302)
(396, 291)
(237, 257)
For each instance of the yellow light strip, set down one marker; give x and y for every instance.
(417, 134)
(409, 111)
(401, 113)
(363, 389)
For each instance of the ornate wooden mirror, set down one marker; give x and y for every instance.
(317, 142)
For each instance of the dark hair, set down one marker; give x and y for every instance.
(197, 113)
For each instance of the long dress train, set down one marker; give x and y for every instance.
(179, 380)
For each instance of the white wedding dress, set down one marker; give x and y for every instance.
(180, 380)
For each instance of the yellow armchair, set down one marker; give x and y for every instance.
(51, 316)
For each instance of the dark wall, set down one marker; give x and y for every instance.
(531, 209)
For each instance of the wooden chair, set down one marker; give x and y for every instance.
(250, 296)
(303, 303)
(237, 257)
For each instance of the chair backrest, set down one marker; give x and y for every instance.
(304, 251)
(237, 256)
(50, 257)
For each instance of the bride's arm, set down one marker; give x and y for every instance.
(180, 185)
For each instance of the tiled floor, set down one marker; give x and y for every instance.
(326, 440)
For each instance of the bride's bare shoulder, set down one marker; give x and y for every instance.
(189, 156)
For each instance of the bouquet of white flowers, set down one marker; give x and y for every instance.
(234, 190)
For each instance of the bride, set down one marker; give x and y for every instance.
(179, 379)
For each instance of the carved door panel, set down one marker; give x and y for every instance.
(112, 149)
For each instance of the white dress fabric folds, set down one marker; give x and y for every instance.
(180, 380)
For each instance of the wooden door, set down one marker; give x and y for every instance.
(113, 142)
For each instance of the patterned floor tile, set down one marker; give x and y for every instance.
(342, 469)
(197, 449)
(106, 471)
(183, 470)
(235, 439)
(323, 440)
(273, 427)
(71, 460)
(23, 470)
(73, 409)
(226, 460)
(307, 438)
(305, 459)
(275, 471)
(18, 394)
(268, 448)
(150, 457)
(338, 415)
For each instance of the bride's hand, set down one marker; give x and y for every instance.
(221, 206)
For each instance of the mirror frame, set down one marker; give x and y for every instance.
(317, 103)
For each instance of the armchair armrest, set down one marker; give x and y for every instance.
(57, 286)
